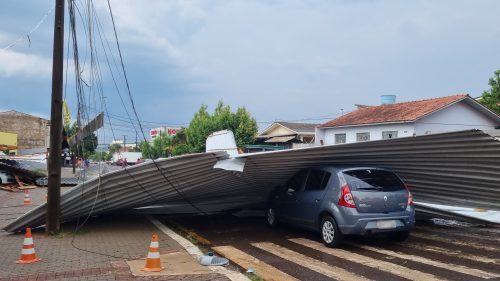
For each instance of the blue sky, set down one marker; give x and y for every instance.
(281, 59)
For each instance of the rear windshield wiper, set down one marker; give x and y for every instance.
(370, 188)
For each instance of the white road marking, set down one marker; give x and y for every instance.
(308, 262)
(195, 252)
(262, 269)
(456, 253)
(455, 242)
(385, 266)
(459, 234)
(447, 266)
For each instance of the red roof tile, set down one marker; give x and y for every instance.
(397, 112)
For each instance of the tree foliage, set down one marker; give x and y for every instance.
(491, 97)
(162, 146)
(114, 148)
(243, 125)
(192, 139)
(86, 146)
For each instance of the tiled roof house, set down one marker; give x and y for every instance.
(287, 134)
(444, 114)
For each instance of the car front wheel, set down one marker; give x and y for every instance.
(271, 219)
(330, 234)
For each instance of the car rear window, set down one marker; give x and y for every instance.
(369, 179)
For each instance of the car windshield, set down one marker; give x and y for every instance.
(370, 179)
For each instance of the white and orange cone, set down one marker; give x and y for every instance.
(153, 259)
(27, 199)
(28, 254)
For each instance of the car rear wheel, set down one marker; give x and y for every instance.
(330, 234)
(271, 219)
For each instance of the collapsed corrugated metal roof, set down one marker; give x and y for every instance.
(460, 168)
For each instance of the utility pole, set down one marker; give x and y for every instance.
(124, 147)
(53, 223)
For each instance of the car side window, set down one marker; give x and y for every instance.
(297, 181)
(317, 180)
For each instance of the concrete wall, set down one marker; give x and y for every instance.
(31, 130)
(328, 134)
(279, 131)
(456, 117)
(9, 139)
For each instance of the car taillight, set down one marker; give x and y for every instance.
(346, 199)
(410, 197)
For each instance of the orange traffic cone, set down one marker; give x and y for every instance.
(153, 260)
(28, 254)
(27, 199)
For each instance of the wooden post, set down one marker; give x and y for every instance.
(52, 225)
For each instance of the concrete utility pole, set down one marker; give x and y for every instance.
(124, 147)
(53, 223)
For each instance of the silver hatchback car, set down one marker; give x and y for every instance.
(337, 201)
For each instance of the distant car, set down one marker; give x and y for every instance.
(337, 201)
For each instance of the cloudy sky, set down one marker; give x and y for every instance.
(290, 60)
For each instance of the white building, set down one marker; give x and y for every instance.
(445, 114)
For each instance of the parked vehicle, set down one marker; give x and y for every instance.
(337, 201)
(6, 177)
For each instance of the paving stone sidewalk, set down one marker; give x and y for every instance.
(97, 252)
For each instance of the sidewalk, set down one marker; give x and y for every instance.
(105, 244)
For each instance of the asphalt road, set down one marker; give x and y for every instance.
(436, 250)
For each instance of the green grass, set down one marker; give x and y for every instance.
(203, 248)
(253, 277)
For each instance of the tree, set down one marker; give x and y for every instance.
(162, 146)
(86, 146)
(491, 97)
(199, 128)
(243, 125)
(114, 148)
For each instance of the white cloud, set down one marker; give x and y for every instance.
(13, 63)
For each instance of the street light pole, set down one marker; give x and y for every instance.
(52, 225)
(124, 146)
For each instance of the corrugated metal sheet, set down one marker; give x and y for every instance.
(459, 168)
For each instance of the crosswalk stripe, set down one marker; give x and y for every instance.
(450, 252)
(448, 266)
(262, 269)
(302, 260)
(454, 242)
(367, 261)
(473, 236)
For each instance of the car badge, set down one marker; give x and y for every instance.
(385, 198)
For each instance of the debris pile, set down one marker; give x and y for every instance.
(15, 178)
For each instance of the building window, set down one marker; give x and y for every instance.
(340, 138)
(362, 136)
(389, 134)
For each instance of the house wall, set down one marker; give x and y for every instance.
(8, 139)
(280, 130)
(456, 117)
(328, 134)
(31, 130)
